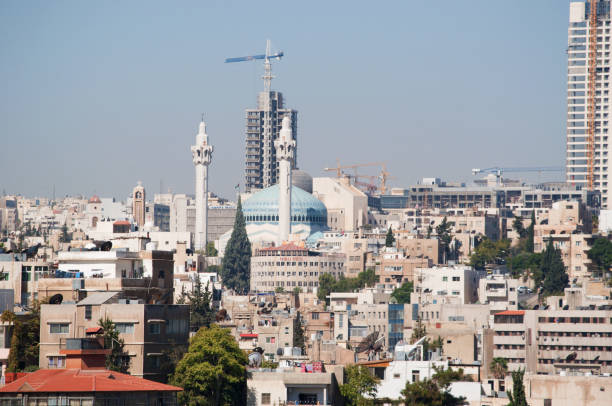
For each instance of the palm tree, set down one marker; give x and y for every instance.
(499, 367)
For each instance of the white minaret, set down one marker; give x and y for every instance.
(202, 155)
(285, 151)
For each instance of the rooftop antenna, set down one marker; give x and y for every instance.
(267, 58)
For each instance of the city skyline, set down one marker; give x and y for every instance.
(95, 112)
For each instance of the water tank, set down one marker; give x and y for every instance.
(151, 246)
(302, 180)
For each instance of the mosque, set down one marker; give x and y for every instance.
(289, 202)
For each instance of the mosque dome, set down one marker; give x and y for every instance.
(302, 180)
(262, 207)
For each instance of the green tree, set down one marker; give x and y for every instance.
(529, 246)
(201, 313)
(524, 261)
(418, 332)
(553, 269)
(390, 238)
(443, 230)
(428, 393)
(360, 388)
(25, 339)
(117, 360)
(517, 394)
(298, 332)
(517, 225)
(444, 377)
(601, 254)
(211, 251)
(65, 237)
(489, 252)
(326, 284)
(402, 294)
(212, 371)
(297, 290)
(279, 289)
(499, 367)
(237, 260)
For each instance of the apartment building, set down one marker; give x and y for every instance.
(147, 329)
(500, 292)
(394, 267)
(452, 284)
(555, 341)
(291, 266)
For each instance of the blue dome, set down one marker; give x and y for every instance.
(262, 207)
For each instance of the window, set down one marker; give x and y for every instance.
(57, 361)
(456, 278)
(445, 279)
(87, 312)
(59, 328)
(125, 328)
(265, 398)
(315, 316)
(154, 328)
(176, 327)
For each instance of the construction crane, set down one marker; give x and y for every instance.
(338, 169)
(500, 171)
(267, 58)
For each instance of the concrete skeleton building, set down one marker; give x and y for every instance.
(263, 126)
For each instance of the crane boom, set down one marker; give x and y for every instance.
(267, 57)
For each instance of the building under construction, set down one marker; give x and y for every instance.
(588, 97)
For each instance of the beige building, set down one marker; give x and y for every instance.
(419, 247)
(292, 266)
(147, 330)
(453, 284)
(555, 341)
(569, 225)
(500, 292)
(22, 275)
(396, 267)
(347, 206)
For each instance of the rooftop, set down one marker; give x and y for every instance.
(78, 380)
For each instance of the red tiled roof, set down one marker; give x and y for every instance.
(511, 313)
(286, 247)
(79, 380)
(121, 223)
(94, 330)
(247, 335)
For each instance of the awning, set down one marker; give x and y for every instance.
(247, 335)
(94, 330)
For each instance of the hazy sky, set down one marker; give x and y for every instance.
(95, 96)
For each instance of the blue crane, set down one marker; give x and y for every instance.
(267, 57)
(498, 171)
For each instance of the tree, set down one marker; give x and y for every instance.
(360, 388)
(443, 230)
(279, 289)
(517, 225)
(201, 313)
(601, 254)
(524, 261)
(213, 370)
(65, 237)
(418, 332)
(553, 270)
(402, 294)
(211, 251)
(117, 360)
(25, 339)
(499, 367)
(529, 247)
(328, 284)
(390, 238)
(237, 260)
(428, 393)
(517, 394)
(489, 252)
(298, 332)
(444, 377)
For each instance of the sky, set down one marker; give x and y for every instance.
(95, 96)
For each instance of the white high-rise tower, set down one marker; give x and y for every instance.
(285, 152)
(202, 155)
